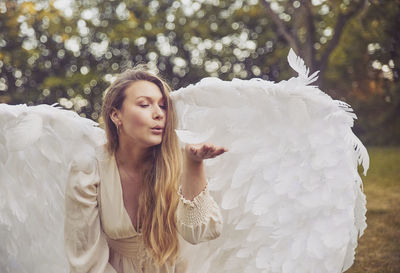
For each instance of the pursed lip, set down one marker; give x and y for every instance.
(157, 130)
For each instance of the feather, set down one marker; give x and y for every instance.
(39, 145)
(298, 65)
(191, 137)
(24, 132)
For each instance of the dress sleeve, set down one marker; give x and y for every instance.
(85, 243)
(199, 220)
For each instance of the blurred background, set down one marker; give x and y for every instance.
(67, 52)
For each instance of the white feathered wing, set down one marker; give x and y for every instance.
(37, 146)
(289, 190)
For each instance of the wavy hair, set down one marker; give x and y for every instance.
(158, 199)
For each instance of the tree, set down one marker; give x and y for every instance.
(70, 55)
(365, 72)
(316, 29)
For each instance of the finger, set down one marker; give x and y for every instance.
(212, 149)
(194, 151)
(210, 152)
(219, 151)
(206, 149)
(205, 153)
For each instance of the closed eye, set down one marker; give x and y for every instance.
(163, 106)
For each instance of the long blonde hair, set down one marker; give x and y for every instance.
(158, 199)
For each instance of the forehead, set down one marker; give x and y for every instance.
(143, 89)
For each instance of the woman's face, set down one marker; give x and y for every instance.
(142, 116)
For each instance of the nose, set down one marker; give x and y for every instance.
(158, 113)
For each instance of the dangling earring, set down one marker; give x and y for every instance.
(117, 128)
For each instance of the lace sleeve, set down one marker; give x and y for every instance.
(199, 220)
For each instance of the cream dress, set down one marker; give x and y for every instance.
(99, 235)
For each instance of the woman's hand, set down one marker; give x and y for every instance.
(193, 179)
(199, 152)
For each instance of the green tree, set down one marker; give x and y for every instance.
(365, 72)
(69, 55)
(313, 28)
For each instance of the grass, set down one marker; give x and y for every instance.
(379, 248)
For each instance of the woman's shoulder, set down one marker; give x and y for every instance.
(104, 158)
(84, 176)
(102, 153)
(106, 165)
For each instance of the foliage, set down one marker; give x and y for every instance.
(52, 52)
(365, 72)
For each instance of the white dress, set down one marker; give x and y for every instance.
(99, 235)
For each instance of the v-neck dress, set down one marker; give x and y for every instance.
(99, 235)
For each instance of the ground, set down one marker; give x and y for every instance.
(379, 248)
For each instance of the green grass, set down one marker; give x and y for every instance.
(379, 248)
(384, 168)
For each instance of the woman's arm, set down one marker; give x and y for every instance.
(85, 243)
(193, 179)
(199, 217)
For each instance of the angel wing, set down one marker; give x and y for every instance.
(37, 145)
(289, 190)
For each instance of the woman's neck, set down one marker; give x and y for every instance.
(131, 156)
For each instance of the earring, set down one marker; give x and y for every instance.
(118, 124)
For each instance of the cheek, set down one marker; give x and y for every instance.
(136, 119)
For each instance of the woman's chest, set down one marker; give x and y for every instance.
(118, 202)
(130, 195)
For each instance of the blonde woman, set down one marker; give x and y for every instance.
(126, 215)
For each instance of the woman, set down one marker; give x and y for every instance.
(126, 216)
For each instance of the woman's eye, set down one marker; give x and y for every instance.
(163, 106)
(144, 105)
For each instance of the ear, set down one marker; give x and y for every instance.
(115, 116)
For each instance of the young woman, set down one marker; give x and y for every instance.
(126, 216)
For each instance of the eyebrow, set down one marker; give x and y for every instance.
(149, 98)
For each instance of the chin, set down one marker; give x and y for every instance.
(154, 142)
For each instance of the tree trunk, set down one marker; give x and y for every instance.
(306, 50)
